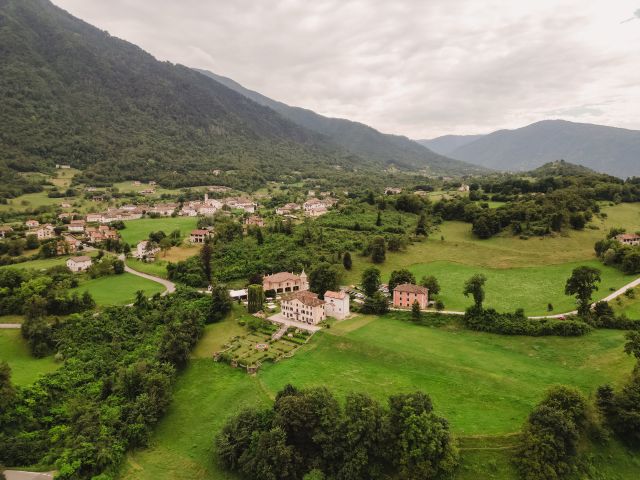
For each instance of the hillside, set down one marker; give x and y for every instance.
(615, 151)
(448, 143)
(561, 168)
(73, 94)
(357, 138)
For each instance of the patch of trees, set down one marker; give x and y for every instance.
(307, 433)
(550, 438)
(614, 253)
(113, 387)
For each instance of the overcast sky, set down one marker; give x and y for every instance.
(420, 68)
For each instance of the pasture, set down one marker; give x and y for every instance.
(484, 384)
(44, 263)
(25, 369)
(118, 289)
(137, 230)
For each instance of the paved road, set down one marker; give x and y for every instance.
(170, 287)
(10, 326)
(282, 320)
(21, 475)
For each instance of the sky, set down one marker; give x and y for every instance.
(420, 68)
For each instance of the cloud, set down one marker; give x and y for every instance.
(409, 67)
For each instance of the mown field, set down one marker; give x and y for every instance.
(484, 384)
(44, 263)
(25, 369)
(118, 289)
(138, 230)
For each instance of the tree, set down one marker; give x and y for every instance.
(7, 391)
(379, 219)
(31, 242)
(259, 236)
(165, 245)
(376, 304)
(431, 283)
(475, 287)
(378, 250)
(118, 266)
(220, 303)
(324, 277)
(398, 277)
(421, 227)
(632, 345)
(346, 261)
(582, 284)
(370, 281)
(206, 252)
(416, 314)
(255, 298)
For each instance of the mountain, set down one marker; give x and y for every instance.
(561, 168)
(357, 138)
(448, 143)
(615, 151)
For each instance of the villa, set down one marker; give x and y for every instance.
(628, 238)
(76, 226)
(79, 264)
(303, 306)
(285, 282)
(336, 304)
(199, 236)
(404, 295)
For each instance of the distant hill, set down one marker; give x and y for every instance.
(561, 168)
(615, 151)
(358, 138)
(448, 143)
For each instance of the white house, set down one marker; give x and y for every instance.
(44, 232)
(336, 304)
(199, 236)
(79, 264)
(145, 250)
(32, 223)
(303, 306)
(315, 207)
(392, 191)
(76, 226)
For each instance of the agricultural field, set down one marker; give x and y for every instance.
(25, 369)
(629, 305)
(129, 187)
(484, 384)
(118, 289)
(137, 230)
(44, 263)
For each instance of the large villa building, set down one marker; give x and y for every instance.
(404, 295)
(79, 264)
(303, 306)
(285, 282)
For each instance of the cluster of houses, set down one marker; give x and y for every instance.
(209, 206)
(313, 207)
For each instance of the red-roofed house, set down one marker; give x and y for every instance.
(199, 236)
(285, 282)
(628, 238)
(404, 295)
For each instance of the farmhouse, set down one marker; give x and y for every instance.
(254, 220)
(392, 191)
(628, 238)
(404, 295)
(79, 264)
(32, 223)
(77, 226)
(163, 209)
(68, 244)
(146, 251)
(5, 230)
(315, 207)
(285, 282)
(336, 304)
(242, 203)
(463, 188)
(100, 234)
(287, 209)
(303, 307)
(43, 232)
(199, 236)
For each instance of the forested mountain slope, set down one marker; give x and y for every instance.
(358, 138)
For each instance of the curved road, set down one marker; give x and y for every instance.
(170, 287)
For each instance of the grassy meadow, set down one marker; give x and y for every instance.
(25, 369)
(44, 263)
(137, 230)
(118, 289)
(484, 384)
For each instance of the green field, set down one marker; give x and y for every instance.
(484, 384)
(25, 369)
(118, 289)
(157, 268)
(530, 288)
(44, 263)
(138, 230)
(629, 306)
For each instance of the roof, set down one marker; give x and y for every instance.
(411, 288)
(200, 232)
(281, 277)
(336, 295)
(628, 236)
(5, 228)
(77, 222)
(305, 297)
(82, 258)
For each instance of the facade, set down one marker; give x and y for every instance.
(404, 295)
(315, 207)
(287, 209)
(43, 232)
(336, 304)
(285, 282)
(32, 223)
(94, 217)
(5, 230)
(79, 264)
(68, 244)
(77, 226)
(241, 203)
(628, 238)
(199, 236)
(254, 220)
(303, 306)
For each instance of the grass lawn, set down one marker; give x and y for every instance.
(44, 263)
(126, 187)
(30, 201)
(159, 267)
(531, 288)
(217, 334)
(138, 230)
(484, 384)
(629, 306)
(25, 369)
(11, 319)
(118, 289)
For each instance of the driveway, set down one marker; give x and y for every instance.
(170, 287)
(21, 475)
(282, 320)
